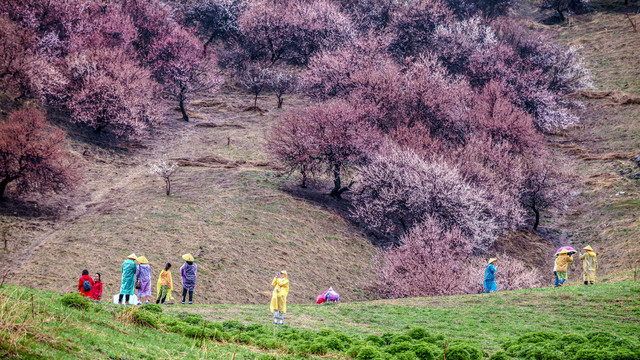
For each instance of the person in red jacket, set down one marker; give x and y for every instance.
(96, 289)
(85, 283)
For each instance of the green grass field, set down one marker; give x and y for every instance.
(391, 329)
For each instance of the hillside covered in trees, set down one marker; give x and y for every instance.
(386, 148)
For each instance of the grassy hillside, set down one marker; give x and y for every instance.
(226, 208)
(42, 326)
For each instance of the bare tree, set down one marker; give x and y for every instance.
(164, 169)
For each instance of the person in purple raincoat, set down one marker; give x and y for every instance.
(189, 272)
(143, 277)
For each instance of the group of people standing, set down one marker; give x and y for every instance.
(560, 269)
(139, 276)
(589, 266)
(90, 287)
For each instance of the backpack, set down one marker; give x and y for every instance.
(87, 286)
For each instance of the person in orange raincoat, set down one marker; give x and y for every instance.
(278, 305)
(164, 285)
(589, 265)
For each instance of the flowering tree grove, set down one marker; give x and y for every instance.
(32, 155)
(178, 66)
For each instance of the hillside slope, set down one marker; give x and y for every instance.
(226, 209)
(529, 324)
(600, 150)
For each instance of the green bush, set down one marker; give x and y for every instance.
(368, 353)
(269, 343)
(537, 351)
(400, 338)
(334, 342)
(168, 320)
(318, 348)
(233, 324)
(397, 348)
(463, 351)
(375, 340)
(592, 354)
(353, 351)
(302, 348)
(407, 355)
(570, 339)
(193, 319)
(500, 355)
(76, 301)
(145, 318)
(152, 308)
(426, 351)
(418, 333)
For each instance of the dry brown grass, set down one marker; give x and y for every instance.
(609, 45)
(226, 209)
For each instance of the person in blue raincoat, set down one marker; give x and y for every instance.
(490, 277)
(128, 278)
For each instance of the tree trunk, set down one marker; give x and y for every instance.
(280, 101)
(304, 179)
(185, 117)
(255, 103)
(168, 186)
(561, 15)
(336, 193)
(3, 186)
(537, 222)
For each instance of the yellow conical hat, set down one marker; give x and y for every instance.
(588, 248)
(132, 256)
(492, 260)
(143, 260)
(187, 257)
(563, 251)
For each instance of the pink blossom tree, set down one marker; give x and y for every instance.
(336, 139)
(291, 142)
(282, 83)
(177, 64)
(109, 91)
(215, 19)
(399, 189)
(430, 261)
(32, 155)
(292, 31)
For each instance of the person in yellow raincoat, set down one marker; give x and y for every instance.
(562, 265)
(164, 286)
(278, 306)
(589, 265)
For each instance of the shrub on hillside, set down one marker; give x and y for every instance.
(32, 155)
(368, 353)
(153, 308)
(462, 351)
(76, 300)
